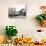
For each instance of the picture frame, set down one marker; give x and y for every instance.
(19, 11)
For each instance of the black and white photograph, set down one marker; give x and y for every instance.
(17, 11)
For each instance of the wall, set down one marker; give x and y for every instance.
(25, 26)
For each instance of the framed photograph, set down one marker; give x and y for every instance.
(17, 11)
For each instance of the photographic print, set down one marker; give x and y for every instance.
(17, 11)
